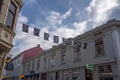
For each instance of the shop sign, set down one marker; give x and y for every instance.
(90, 66)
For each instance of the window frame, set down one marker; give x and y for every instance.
(1, 2)
(63, 55)
(13, 14)
(38, 63)
(52, 58)
(33, 63)
(77, 50)
(44, 63)
(28, 67)
(99, 46)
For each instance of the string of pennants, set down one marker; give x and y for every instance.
(25, 28)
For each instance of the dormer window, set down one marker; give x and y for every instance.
(11, 16)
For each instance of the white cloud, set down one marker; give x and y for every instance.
(55, 18)
(22, 19)
(67, 14)
(99, 10)
(78, 13)
(65, 31)
(24, 41)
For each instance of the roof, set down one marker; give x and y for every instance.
(30, 53)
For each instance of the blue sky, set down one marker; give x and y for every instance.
(65, 18)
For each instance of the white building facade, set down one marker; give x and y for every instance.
(95, 55)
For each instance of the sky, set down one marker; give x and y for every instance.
(64, 18)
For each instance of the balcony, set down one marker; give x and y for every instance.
(6, 38)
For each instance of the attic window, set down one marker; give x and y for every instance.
(99, 33)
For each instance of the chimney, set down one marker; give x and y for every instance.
(38, 45)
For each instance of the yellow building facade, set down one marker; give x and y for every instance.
(9, 10)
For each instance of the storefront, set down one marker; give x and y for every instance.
(105, 72)
(76, 74)
(65, 75)
(36, 76)
(44, 76)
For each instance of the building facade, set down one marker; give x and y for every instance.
(19, 60)
(14, 73)
(9, 10)
(95, 55)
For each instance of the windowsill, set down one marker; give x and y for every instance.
(63, 63)
(99, 55)
(75, 61)
(52, 65)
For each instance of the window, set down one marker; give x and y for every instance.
(105, 72)
(1, 1)
(76, 74)
(88, 74)
(11, 15)
(76, 52)
(99, 46)
(33, 65)
(38, 63)
(63, 56)
(52, 60)
(57, 76)
(44, 61)
(28, 67)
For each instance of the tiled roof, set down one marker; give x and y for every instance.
(30, 53)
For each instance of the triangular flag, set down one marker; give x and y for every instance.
(25, 28)
(36, 32)
(46, 36)
(56, 39)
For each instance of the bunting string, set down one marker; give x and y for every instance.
(36, 32)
